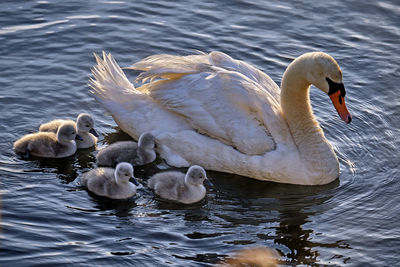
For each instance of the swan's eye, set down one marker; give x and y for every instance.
(334, 87)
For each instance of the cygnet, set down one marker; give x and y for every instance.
(111, 183)
(129, 151)
(48, 144)
(84, 124)
(185, 188)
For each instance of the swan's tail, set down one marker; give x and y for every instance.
(109, 83)
(133, 111)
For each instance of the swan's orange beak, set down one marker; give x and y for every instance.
(337, 94)
(338, 102)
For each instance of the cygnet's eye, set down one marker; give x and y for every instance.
(87, 125)
(73, 132)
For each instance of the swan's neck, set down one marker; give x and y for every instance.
(295, 101)
(314, 149)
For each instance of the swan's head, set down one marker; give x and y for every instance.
(124, 173)
(67, 132)
(146, 141)
(196, 175)
(85, 123)
(324, 73)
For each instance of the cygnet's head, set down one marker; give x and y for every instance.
(124, 173)
(195, 175)
(324, 73)
(146, 141)
(85, 123)
(66, 132)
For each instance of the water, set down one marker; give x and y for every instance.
(46, 55)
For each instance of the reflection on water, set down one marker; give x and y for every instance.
(120, 208)
(67, 169)
(287, 208)
(116, 135)
(295, 237)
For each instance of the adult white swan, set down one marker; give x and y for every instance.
(226, 115)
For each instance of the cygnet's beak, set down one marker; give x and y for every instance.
(133, 180)
(93, 131)
(208, 182)
(337, 94)
(78, 137)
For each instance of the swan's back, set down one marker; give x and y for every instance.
(225, 61)
(174, 67)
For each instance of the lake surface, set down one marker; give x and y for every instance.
(45, 59)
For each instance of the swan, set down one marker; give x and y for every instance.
(185, 188)
(226, 115)
(84, 124)
(129, 151)
(48, 144)
(111, 183)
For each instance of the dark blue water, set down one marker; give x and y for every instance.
(45, 59)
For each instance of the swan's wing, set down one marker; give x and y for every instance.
(173, 67)
(224, 61)
(221, 103)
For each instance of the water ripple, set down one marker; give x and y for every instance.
(16, 28)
